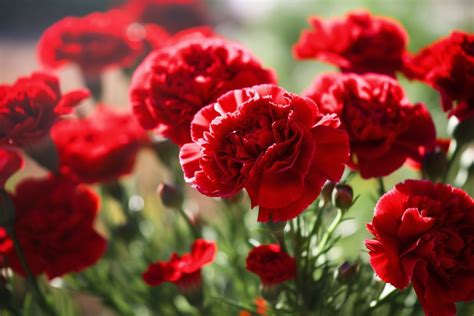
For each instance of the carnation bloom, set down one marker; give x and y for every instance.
(174, 15)
(383, 126)
(275, 144)
(358, 43)
(99, 148)
(175, 82)
(93, 42)
(30, 106)
(185, 270)
(272, 265)
(424, 233)
(448, 66)
(10, 162)
(54, 226)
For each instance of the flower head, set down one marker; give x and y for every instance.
(30, 107)
(93, 42)
(175, 82)
(272, 265)
(185, 270)
(448, 66)
(424, 233)
(357, 43)
(98, 148)
(54, 220)
(273, 143)
(383, 126)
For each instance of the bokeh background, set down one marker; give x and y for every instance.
(269, 28)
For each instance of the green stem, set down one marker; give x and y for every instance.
(196, 233)
(381, 186)
(454, 156)
(8, 208)
(335, 222)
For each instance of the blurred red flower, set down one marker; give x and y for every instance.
(173, 15)
(357, 43)
(383, 126)
(448, 66)
(185, 270)
(175, 82)
(54, 226)
(94, 42)
(424, 233)
(30, 106)
(272, 265)
(99, 148)
(10, 162)
(275, 144)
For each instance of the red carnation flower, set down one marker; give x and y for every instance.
(10, 162)
(448, 66)
(272, 265)
(99, 148)
(358, 43)
(30, 106)
(175, 82)
(271, 142)
(93, 42)
(54, 226)
(383, 126)
(174, 15)
(185, 270)
(424, 233)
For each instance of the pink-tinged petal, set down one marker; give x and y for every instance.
(70, 100)
(189, 156)
(202, 120)
(413, 225)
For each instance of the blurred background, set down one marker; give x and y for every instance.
(269, 28)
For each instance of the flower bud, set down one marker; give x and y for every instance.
(347, 272)
(342, 196)
(271, 292)
(461, 131)
(170, 195)
(435, 164)
(326, 192)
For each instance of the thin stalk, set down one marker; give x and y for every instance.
(8, 208)
(381, 186)
(196, 233)
(335, 222)
(454, 156)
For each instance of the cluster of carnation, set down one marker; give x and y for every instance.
(237, 129)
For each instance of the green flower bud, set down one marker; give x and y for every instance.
(326, 192)
(435, 164)
(342, 196)
(170, 195)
